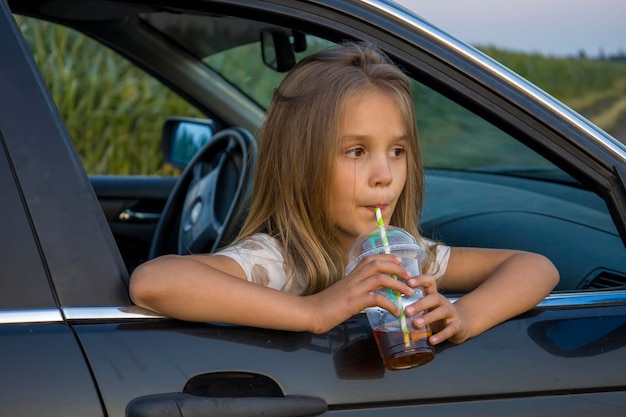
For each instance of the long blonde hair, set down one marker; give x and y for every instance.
(298, 145)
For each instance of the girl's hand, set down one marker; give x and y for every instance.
(352, 294)
(445, 320)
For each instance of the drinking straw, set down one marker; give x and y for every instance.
(402, 318)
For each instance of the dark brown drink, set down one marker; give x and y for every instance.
(395, 352)
(398, 350)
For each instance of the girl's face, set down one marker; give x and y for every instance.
(371, 165)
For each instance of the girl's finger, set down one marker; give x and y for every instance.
(426, 281)
(386, 282)
(382, 264)
(446, 333)
(428, 302)
(379, 300)
(438, 314)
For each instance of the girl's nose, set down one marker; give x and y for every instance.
(380, 174)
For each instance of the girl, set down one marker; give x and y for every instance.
(340, 139)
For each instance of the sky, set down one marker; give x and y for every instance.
(548, 27)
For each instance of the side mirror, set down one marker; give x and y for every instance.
(183, 137)
(278, 48)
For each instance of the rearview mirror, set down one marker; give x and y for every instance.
(278, 48)
(183, 137)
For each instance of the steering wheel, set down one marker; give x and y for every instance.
(210, 200)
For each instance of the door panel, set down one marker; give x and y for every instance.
(43, 373)
(596, 404)
(520, 359)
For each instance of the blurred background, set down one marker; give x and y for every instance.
(573, 49)
(565, 28)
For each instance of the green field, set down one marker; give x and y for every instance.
(596, 89)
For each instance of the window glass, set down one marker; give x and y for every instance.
(113, 110)
(243, 67)
(451, 136)
(114, 113)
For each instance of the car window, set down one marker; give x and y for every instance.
(125, 109)
(452, 137)
(504, 184)
(243, 67)
(113, 110)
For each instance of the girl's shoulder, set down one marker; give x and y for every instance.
(257, 246)
(261, 257)
(257, 242)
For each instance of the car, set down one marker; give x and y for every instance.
(89, 193)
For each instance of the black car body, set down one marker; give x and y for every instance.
(72, 343)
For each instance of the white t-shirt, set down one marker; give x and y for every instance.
(260, 256)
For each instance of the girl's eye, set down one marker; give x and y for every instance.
(398, 152)
(355, 152)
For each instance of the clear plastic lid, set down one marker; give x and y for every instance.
(371, 243)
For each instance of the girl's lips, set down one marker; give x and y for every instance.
(382, 208)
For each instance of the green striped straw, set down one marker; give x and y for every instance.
(402, 318)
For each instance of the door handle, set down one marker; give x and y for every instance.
(187, 405)
(129, 215)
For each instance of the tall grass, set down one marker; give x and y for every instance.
(594, 88)
(112, 110)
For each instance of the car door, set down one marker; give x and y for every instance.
(522, 367)
(42, 367)
(144, 364)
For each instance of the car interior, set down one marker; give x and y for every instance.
(485, 185)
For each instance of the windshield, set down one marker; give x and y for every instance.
(243, 67)
(452, 137)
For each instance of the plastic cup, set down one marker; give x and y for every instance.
(398, 349)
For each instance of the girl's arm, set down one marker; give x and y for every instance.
(213, 288)
(500, 284)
